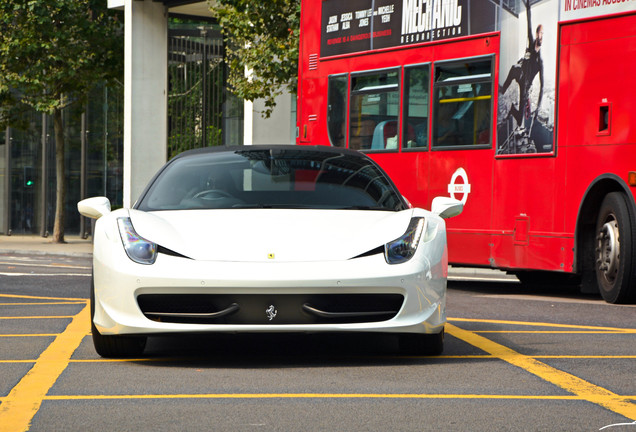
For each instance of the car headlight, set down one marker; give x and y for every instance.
(137, 248)
(403, 248)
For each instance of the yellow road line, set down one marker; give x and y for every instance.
(44, 298)
(465, 357)
(36, 317)
(552, 332)
(24, 400)
(541, 324)
(318, 396)
(573, 384)
(587, 357)
(40, 304)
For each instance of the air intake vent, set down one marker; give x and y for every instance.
(313, 62)
(251, 309)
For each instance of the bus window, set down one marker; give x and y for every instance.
(337, 109)
(462, 109)
(374, 111)
(416, 90)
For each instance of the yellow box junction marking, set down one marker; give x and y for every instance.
(541, 324)
(573, 384)
(70, 299)
(24, 400)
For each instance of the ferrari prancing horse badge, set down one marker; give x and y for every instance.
(271, 312)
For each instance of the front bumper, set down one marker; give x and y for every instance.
(122, 285)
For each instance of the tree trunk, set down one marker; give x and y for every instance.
(60, 174)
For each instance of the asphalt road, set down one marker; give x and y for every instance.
(516, 358)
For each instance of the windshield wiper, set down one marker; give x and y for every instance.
(246, 205)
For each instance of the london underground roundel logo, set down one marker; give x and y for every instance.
(459, 185)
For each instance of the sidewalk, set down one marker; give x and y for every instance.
(34, 244)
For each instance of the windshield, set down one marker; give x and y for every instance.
(272, 178)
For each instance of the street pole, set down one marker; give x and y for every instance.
(44, 232)
(83, 231)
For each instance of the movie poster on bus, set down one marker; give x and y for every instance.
(579, 9)
(527, 77)
(430, 20)
(362, 25)
(346, 26)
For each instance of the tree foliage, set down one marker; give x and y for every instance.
(52, 52)
(262, 47)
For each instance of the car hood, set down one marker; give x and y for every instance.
(250, 235)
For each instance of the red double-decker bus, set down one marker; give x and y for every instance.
(521, 109)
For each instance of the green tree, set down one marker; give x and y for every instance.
(52, 52)
(262, 38)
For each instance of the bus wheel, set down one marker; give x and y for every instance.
(614, 250)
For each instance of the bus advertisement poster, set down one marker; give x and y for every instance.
(363, 25)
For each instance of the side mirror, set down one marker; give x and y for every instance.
(446, 207)
(94, 208)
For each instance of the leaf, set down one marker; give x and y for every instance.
(261, 37)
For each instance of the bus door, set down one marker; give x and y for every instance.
(461, 152)
(528, 224)
(527, 234)
(408, 167)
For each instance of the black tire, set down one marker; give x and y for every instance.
(614, 250)
(422, 344)
(114, 346)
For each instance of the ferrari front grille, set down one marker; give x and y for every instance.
(272, 309)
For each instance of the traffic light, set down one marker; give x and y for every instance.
(28, 177)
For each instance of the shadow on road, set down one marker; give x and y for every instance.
(513, 288)
(282, 350)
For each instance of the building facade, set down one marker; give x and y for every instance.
(201, 112)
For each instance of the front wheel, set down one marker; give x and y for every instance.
(114, 346)
(614, 250)
(422, 344)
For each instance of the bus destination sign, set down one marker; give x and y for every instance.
(364, 25)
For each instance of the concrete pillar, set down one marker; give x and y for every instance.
(248, 117)
(145, 94)
(279, 128)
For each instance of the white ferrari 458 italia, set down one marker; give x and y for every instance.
(268, 239)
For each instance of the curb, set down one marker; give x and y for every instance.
(45, 253)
